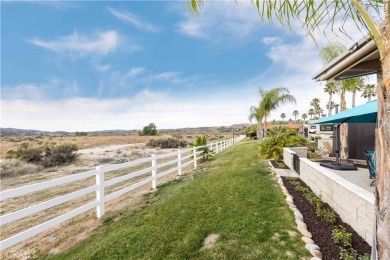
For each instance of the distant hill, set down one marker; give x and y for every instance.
(27, 132)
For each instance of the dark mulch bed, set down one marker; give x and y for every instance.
(279, 165)
(321, 230)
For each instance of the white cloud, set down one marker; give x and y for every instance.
(222, 20)
(122, 113)
(102, 43)
(270, 40)
(24, 90)
(134, 72)
(169, 76)
(133, 19)
(103, 68)
(32, 91)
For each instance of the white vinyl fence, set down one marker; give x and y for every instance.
(159, 166)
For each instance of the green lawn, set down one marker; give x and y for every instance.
(234, 196)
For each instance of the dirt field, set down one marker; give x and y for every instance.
(95, 150)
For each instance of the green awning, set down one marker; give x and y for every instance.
(366, 113)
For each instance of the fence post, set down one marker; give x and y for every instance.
(154, 172)
(194, 149)
(179, 162)
(100, 191)
(216, 147)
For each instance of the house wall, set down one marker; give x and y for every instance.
(354, 204)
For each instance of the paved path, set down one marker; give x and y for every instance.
(284, 172)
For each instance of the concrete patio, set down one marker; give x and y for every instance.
(359, 177)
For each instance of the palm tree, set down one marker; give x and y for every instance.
(357, 86)
(283, 116)
(311, 113)
(271, 100)
(330, 105)
(315, 103)
(295, 114)
(331, 88)
(366, 15)
(255, 113)
(369, 91)
(304, 116)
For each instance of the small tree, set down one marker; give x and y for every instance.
(283, 116)
(201, 141)
(295, 114)
(150, 129)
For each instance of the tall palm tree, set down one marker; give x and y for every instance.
(367, 15)
(330, 105)
(357, 86)
(271, 100)
(315, 103)
(255, 113)
(311, 113)
(283, 116)
(295, 114)
(331, 88)
(304, 116)
(369, 91)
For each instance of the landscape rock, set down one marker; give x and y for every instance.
(315, 258)
(316, 253)
(300, 223)
(312, 247)
(305, 233)
(307, 240)
(298, 215)
(289, 200)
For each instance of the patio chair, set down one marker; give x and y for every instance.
(371, 164)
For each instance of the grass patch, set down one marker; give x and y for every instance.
(234, 196)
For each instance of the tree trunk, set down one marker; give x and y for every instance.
(329, 104)
(343, 104)
(344, 151)
(382, 146)
(265, 127)
(259, 129)
(369, 98)
(353, 98)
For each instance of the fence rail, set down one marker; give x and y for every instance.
(180, 159)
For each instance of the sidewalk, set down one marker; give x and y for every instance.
(284, 172)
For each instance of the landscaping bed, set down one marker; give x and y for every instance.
(279, 165)
(322, 230)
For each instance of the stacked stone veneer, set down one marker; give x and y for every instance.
(354, 204)
(288, 155)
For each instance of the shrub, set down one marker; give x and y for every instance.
(201, 141)
(26, 152)
(48, 155)
(327, 215)
(348, 254)
(166, 143)
(15, 167)
(341, 237)
(150, 129)
(278, 137)
(80, 134)
(59, 154)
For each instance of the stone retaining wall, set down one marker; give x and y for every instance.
(354, 204)
(288, 158)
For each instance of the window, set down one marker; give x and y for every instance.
(313, 127)
(326, 128)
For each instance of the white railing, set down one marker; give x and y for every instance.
(182, 158)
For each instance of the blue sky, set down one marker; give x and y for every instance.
(81, 66)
